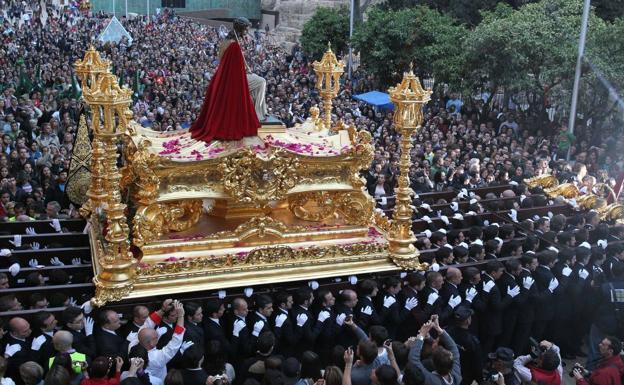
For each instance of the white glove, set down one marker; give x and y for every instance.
(583, 274)
(257, 328)
(454, 301)
(238, 326)
(426, 206)
(87, 307)
(553, 284)
(35, 246)
(37, 342)
(458, 216)
(434, 267)
(527, 282)
(445, 219)
(186, 345)
(426, 218)
(602, 243)
(427, 233)
(76, 261)
(471, 294)
(340, 318)
(367, 310)
(132, 336)
(89, 323)
(323, 315)
(161, 331)
(389, 301)
(487, 287)
(411, 303)
(313, 285)
(5, 252)
(56, 262)
(566, 271)
(33, 263)
(56, 225)
(454, 206)
(471, 213)
(14, 269)
(280, 319)
(512, 292)
(10, 350)
(248, 291)
(550, 214)
(30, 231)
(513, 214)
(17, 240)
(72, 302)
(432, 298)
(302, 319)
(221, 294)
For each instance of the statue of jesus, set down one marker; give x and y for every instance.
(235, 98)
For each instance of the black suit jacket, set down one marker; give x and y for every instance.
(83, 344)
(393, 316)
(109, 344)
(216, 332)
(284, 336)
(344, 334)
(526, 298)
(447, 291)
(544, 309)
(252, 318)
(491, 320)
(24, 355)
(364, 321)
(307, 334)
(194, 332)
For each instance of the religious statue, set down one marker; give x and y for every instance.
(235, 98)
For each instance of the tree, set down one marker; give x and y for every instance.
(390, 40)
(326, 25)
(528, 51)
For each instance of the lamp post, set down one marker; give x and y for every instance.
(408, 98)
(328, 72)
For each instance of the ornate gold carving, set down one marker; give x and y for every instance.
(104, 295)
(566, 190)
(612, 212)
(142, 168)
(79, 177)
(382, 221)
(151, 221)
(262, 257)
(543, 181)
(355, 207)
(252, 180)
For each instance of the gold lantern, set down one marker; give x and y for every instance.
(328, 72)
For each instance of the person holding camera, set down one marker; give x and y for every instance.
(610, 368)
(500, 368)
(543, 365)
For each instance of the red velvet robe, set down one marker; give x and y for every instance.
(228, 112)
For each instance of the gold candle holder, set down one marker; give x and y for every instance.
(328, 72)
(408, 98)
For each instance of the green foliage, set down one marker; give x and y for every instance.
(326, 25)
(390, 40)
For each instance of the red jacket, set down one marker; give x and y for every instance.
(102, 381)
(610, 372)
(547, 377)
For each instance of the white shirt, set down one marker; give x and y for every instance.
(158, 359)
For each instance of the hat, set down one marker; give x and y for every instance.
(462, 313)
(502, 354)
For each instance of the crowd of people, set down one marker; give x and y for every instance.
(169, 63)
(509, 321)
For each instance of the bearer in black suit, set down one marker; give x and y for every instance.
(283, 325)
(214, 326)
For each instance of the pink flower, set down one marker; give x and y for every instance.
(171, 259)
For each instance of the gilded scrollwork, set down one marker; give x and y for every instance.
(252, 180)
(323, 204)
(259, 258)
(152, 221)
(356, 207)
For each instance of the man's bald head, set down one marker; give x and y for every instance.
(508, 194)
(453, 275)
(19, 327)
(148, 338)
(62, 341)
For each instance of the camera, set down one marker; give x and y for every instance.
(584, 372)
(536, 349)
(494, 377)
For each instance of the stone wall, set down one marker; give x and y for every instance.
(294, 13)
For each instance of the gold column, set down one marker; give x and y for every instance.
(109, 106)
(408, 98)
(328, 72)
